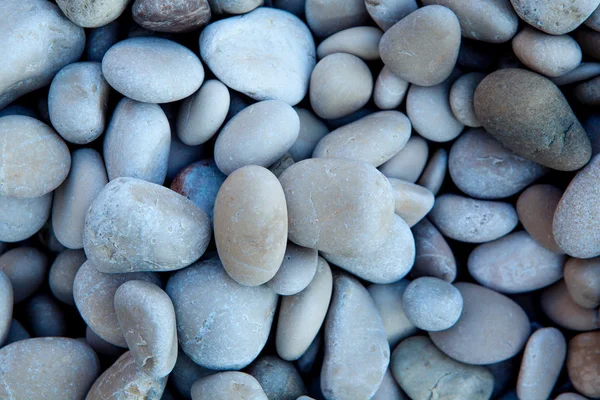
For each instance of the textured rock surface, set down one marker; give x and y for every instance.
(26, 267)
(229, 384)
(536, 207)
(557, 17)
(278, 378)
(432, 304)
(22, 218)
(583, 363)
(582, 278)
(297, 270)
(92, 13)
(171, 15)
(434, 257)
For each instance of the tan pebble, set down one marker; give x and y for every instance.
(390, 90)
(361, 41)
(434, 257)
(582, 278)
(583, 363)
(588, 93)
(536, 207)
(435, 172)
(228, 385)
(409, 162)
(296, 271)
(563, 311)
(26, 267)
(413, 202)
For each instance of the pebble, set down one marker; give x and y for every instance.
(78, 102)
(570, 396)
(251, 224)
(91, 13)
(134, 225)
(185, 373)
(312, 130)
(584, 71)
(472, 221)
(124, 380)
(422, 47)
(545, 132)
(340, 84)
(34, 159)
(582, 279)
(409, 162)
(491, 21)
(228, 385)
(432, 304)
(388, 299)
(413, 202)
(542, 362)
(296, 271)
(390, 90)
(356, 350)
(47, 368)
(267, 54)
(75, 195)
(38, 41)
(279, 379)
(94, 294)
(492, 328)
(6, 307)
(361, 41)
(202, 114)
(26, 267)
(555, 18)
(560, 307)
(175, 16)
(181, 155)
(258, 135)
(147, 320)
(536, 207)
(429, 111)
(45, 317)
(434, 257)
(373, 139)
(435, 172)
(16, 333)
(386, 13)
(301, 315)
(100, 39)
(152, 70)
(220, 323)
(385, 264)
(424, 372)
(588, 93)
(351, 225)
(583, 363)
(22, 218)
(593, 20)
(462, 92)
(234, 6)
(389, 389)
(326, 17)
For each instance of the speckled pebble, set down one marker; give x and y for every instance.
(171, 15)
(556, 17)
(583, 363)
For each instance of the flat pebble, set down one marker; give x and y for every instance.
(424, 372)
(301, 315)
(557, 17)
(461, 98)
(100, 39)
(361, 41)
(390, 90)
(258, 135)
(432, 304)
(234, 6)
(38, 41)
(312, 130)
(434, 257)
(560, 307)
(220, 323)
(386, 13)
(472, 221)
(296, 271)
(340, 84)
(94, 294)
(278, 378)
(152, 70)
(542, 362)
(547, 133)
(326, 17)
(202, 114)
(583, 363)
(267, 54)
(582, 278)
(34, 160)
(251, 224)
(228, 385)
(491, 328)
(134, 225)
(6, 307)
(432, 34)
(413, 202)
(45, 317)
(62, 274)
(22, 218)
(356, 350)
(26, 267)
(171, 15)
(584, 71)
(435, 172)
(409, 162)
(91, 13)
(373, 139)
(536, 207)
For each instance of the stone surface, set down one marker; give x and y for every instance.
(461, 98)
(386, 13)
(92, 13)
(101, 346)
(588, 93)
(558, 305)
(557, 17)
(26, 267)
(171, 15)
(296, 271)
(584, 71)
(326, 17)
(582, 279)
(413, 202)
(228, 384)
(22, 218)
(583, 363)
(409, 162)
(278, 378)
(312, 130)
(434, 257)
(536, 207)
(435, 172)
(44, 317)
(390, 90)
(16, 333)
(361, 41)
(234, 6)
(6, 307)
(432, 304)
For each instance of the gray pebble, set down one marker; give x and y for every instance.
(326, 17)
(278, 378)
(296, 272)
(100, 39)
(389, 389)
(461, 98)
(101, 346)
(16, 333)
(435, 172)
(234, 6)
(386, 13)
(409, 162)
(92, 13)
(175, 16)
(26, 267)
(181, 155)
(434, 257)
(45, 317)
(390, 90)
(185, 373)
(361, 41)
(62, 274)
(6, 307)
(22, 218)
(432, 304)
(228, 385)
(312, 130)
(584, 71)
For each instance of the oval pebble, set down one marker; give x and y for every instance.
(558, 305)
(45, 317)
(409, 162)
(435, 172)
(91, 13)
(267, 54)
(462, 92)
(356, 350)
(361, 41)
(228, 384)
(413, 202)
(211, 332)
(432, 304)
(134, 225)
(557, 17)
(389, 90)
(386, 13)
(258, 135)
(312, 130)
(34, 160)
(171, 15)
(583, 363)
(582, 278)
(584, 71)
(26, 267)
(251, 225)
(62, 274)
(296, 271)
(22, 218)
(326, 17)
(434, 257)
(152, 70)
(6, 307)
(278, 378)
(472, 221)
(473, 341)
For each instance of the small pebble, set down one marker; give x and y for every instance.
(558, 305)
(557, 17)
(312, 130)
(588, 93)
(583, 363)
(435, 172)
(582, 278)
(278, 378)
(434, 257)
(296, 271)
(390, 90)
(6, 307)
(326, 17)
(91, 13)
(26, 267)
(16, 333)
(409, 162)
(584, 71)
(171, 15)
(361, 41)
(45, 317)
(461, 98)
(22, 218)
(228, 385)
(432, 304)
(413, 202)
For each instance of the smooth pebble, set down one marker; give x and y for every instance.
(26, 267)
(326, 17)
(536, 207)
(312, 130)
(556, 17)
(92, 13)
(297, 270)
(582, 278)
(6, 307)
(390, 90)
(278, 378)
(583, 363)
(45, 317)
(560, 307)
(386, 13)
(228, 385)
(462, 92)
(434, 257)
(432, 304)
(434, 174)
(413, 202)
(22, 218)
(409, 162)
(361, 41)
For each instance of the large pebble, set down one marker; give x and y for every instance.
(297, 270)
(576, 226)
(340, 84)
(413, 202)
(386, 13)
(373, 139)
(6, 306)
(267, 54)
(220, 323)
(409, 162)
(434, 173)
(301, 315)
(22, 218)
(351, 224)
(472, 221)
(547, 132)
(171, 15)
(560, 307)
(312, 130)
(432, 304)
(356, 350)
(152, 70)
(491, 328)
(251, 225)
(326, 17)
(361, 41)
(556, 17)
(542, 362)
(582, 278)
(228, 385)
(62, 274)
(422, 48)
(278, 378)
(434, 257)
(389, 90)
(516, 263)
(94, 294)
(134, 225)
(38, 41)
(34, 160)
(536, 207)
(92, 13)
(461, 98)
(258, 135)
(26, 267)
(424, 372)
(583, 363)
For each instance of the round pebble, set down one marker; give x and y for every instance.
(461, 98)
(26, 267)
(557, 17)
(45, 317)
(6, 307)
(361, 41)
(22, 218)
(583, 363)
(228, 384)
(409, 162)
(312, 130)
(278, 378)
(389, 90)
(413, 202)
(582, 278)
(432, 304)
(326, 17)
(386, 13)
(171, 15)
(560, 307)
(434, 257)
(435, 172)
(296, 271)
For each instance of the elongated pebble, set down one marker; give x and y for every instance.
(409, 162)
(26, 267)
(296, 271)
(536, 207)
(461, 98)
(361, 41)
(558, 305)
(582, 278)
(6, 306)
(390, 90)
(584, 71)
(434, 257)
(434, 174)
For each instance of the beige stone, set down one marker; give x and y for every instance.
(583, 363)
(361, 41)
(558, 305)
(92, 13)
(409, 162)
(582, 278)
(536, 207)
(413, 202)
